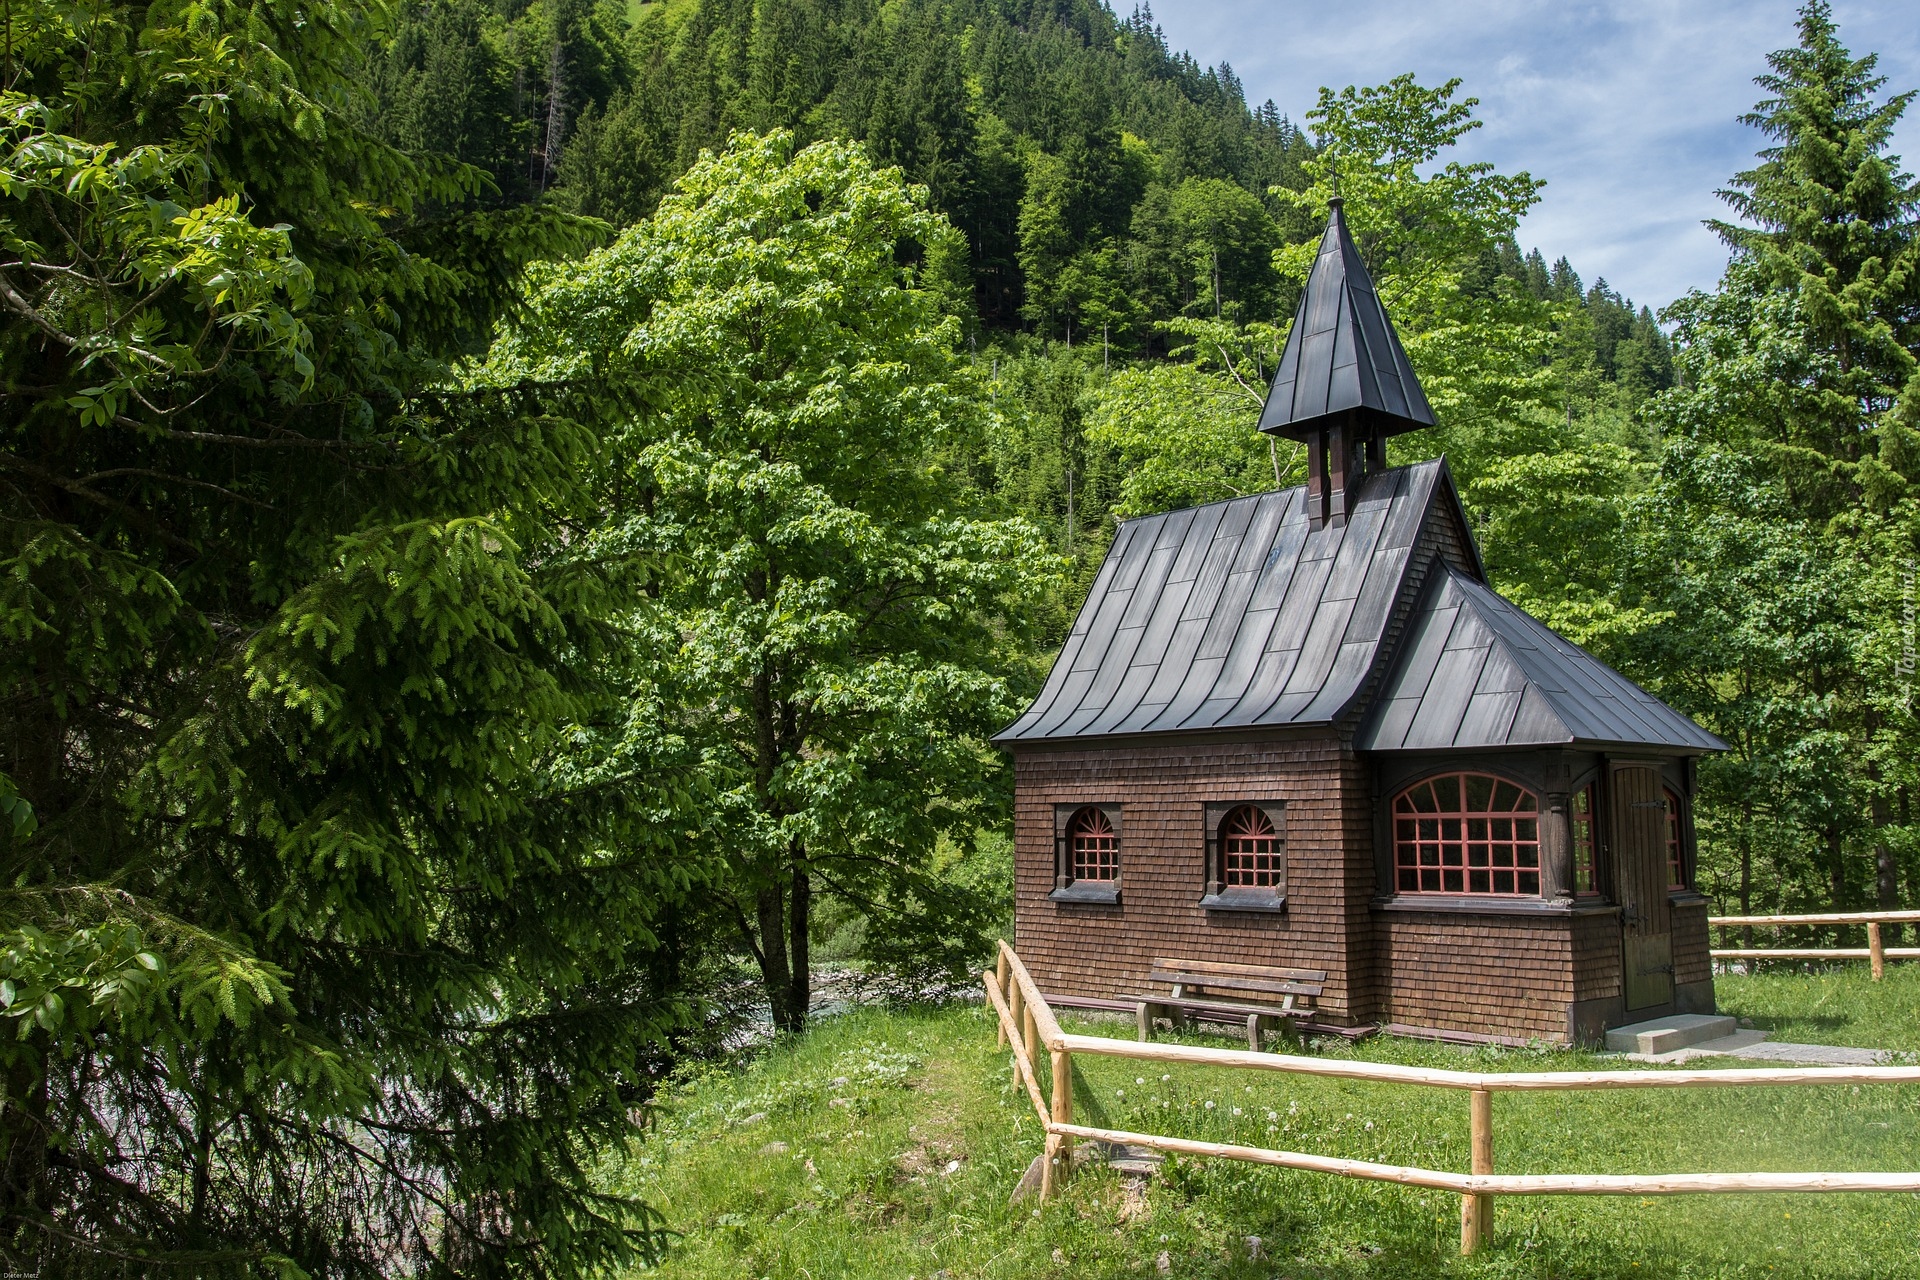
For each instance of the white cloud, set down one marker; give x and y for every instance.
(1628, 110)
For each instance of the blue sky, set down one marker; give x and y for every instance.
(1627, 109)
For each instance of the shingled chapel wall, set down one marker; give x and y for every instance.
(1509, 977)
(1092, 949)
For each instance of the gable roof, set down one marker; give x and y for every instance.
(1237, 613)
(1475, 671)
(1342, 352)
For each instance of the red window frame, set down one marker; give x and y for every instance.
(1093, 847)
(1473, 834)
(1676, 849)
(1586, 843)
(1252, 853)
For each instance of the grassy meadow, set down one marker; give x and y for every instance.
(884, 1144)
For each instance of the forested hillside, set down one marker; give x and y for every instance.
(521, 521)
(1133, 235)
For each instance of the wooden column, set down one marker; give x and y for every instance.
(1876, 951)
(1030, 1032)
(1556, 849)
(1316, 478)
(1339, 471)
(1476, 1212)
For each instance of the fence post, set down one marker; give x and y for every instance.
(1877, 951)
(1000, 980)
(1476, 1212)
(1016, 1014)
(1062, 1151)
(1030, 1032)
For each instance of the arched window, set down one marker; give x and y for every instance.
(1676, 849)
(1093, 847)
(1467, 833)
(1252, 853)
(1586, 857)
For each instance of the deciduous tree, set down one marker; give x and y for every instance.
(783, 336)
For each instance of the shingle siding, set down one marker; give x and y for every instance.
(1483, 975)
(1163, 790)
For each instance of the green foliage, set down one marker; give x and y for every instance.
(336, 934)
(842, 618)
(1554, 535)
(1782, 535)
(1185, 430)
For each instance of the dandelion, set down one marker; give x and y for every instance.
(1140, 1079)
(1273, 1115)
(1273, 1128)
(1121, 1093)
(1369, 1126)
(1209, 1104)
(1164, 1079)
(1293, 1108)
(1236, 1111)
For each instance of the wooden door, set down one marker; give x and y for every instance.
(1639, 848)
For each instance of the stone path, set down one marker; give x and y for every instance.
(1755, 1045)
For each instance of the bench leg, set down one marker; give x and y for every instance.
(1177, 1017)
(1253, 1032)
(1143, 1017)
(1289, 1031)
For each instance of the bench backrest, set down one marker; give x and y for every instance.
(1253, 979)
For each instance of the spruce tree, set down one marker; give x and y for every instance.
(1830, 219)
(341, 938)
(1786, 504)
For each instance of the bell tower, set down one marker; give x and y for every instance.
(1344, 384)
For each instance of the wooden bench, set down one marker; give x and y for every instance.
(1259, 997)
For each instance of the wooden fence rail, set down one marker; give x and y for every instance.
(1874, 952)
(1027, 1025)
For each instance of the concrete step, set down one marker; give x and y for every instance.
(1664, 1035)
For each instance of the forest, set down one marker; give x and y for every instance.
(521, 518)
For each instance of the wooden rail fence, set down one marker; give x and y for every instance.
(1027, 1024)
(1874, 952)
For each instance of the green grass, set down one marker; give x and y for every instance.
(1837, 1006)
(885, 1145)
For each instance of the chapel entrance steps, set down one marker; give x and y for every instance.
(1676, 1031)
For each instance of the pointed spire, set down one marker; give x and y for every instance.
(1343, 355)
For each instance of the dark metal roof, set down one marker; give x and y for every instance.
(1475, 671)
(1237, 613)
(1342, 352)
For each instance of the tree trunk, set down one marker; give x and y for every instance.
(799, 921)
(24, 1192)
(1746, 869)
(774, 971)
(1836, 868)
(556, 112)
(1886, 872)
